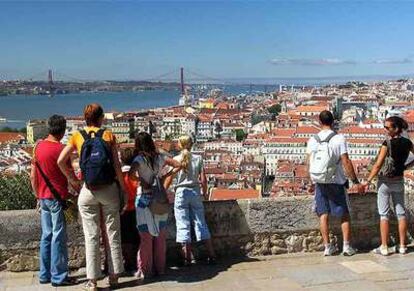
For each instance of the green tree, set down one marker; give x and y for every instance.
(16, 192)
(218, 129)
(240, 134)
(275, 109)
(8, 129)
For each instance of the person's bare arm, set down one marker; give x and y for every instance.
(33, 179)
(168, 181)
(66, 170)
(173, 163)
(118, 170)
(311, 188)
(348, 167)
(378, 164)
(169, 176)
(409, 165)
(350, 172)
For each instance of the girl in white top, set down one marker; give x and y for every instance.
(151, 227)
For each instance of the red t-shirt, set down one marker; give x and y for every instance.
(131, 189)
(46, 154)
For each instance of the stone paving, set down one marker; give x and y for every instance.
(305, 271)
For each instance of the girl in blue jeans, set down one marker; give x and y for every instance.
(188, 205)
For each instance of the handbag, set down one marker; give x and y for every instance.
(388, 167)
(159, 203)
(69, 206)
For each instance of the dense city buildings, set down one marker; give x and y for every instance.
(256, 141)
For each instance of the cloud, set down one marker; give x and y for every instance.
(311, 62)
(393, 61)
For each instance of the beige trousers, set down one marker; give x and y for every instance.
(90, 203)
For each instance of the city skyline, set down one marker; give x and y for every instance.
(137, 40)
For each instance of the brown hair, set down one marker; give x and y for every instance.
(398, 123)
(127, 156)
(145, 144)
(92, 113)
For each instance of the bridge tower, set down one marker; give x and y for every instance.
(182, 81)
(50, 82)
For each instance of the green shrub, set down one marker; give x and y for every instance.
(16, 192)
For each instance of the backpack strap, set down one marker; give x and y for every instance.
(329, 137)
(317, 138)
(100, 132)
(85, 135)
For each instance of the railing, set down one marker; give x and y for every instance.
(243, 227)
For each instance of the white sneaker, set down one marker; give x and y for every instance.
(90, 286)
(381, 250)
(349, 251)
(330, 250)
(140, 276)
(402, 249)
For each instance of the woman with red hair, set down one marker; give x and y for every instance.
(91, 142)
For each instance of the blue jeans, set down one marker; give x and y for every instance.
(188, 208)
(53, 248)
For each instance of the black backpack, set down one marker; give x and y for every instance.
(96, 160)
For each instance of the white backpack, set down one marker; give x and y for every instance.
(323, 162)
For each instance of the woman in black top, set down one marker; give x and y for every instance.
(389, 167)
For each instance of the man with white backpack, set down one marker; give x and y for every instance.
(328, 162)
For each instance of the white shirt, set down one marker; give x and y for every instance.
(146, 172)
(338, 146)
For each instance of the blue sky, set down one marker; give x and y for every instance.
(138, 40)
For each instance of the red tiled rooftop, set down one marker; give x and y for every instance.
(8, 137)
(230, 194)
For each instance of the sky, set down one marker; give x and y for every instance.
(220, 39)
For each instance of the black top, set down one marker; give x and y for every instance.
(400, 149)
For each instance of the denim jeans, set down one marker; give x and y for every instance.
(189, 209)
(53, 248)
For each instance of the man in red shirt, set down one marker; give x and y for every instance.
(51, 189)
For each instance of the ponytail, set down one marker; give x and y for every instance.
(185, 163)
(185, 142)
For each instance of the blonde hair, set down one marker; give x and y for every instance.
(185, 142)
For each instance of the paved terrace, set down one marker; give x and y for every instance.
(283, 272)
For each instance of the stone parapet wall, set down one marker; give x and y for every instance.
(244, 227)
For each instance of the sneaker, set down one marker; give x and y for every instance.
(329, 251)
(402, 249)
(349, 251)
(112, 281)
(90, 286)
(139, 275)
(381, 250)
(211, 261)
(67, 282)
(44, 282)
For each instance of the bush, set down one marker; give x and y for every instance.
(16, 192)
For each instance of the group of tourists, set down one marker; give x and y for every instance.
(122, 201)
(329, 161)
(123, 204)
